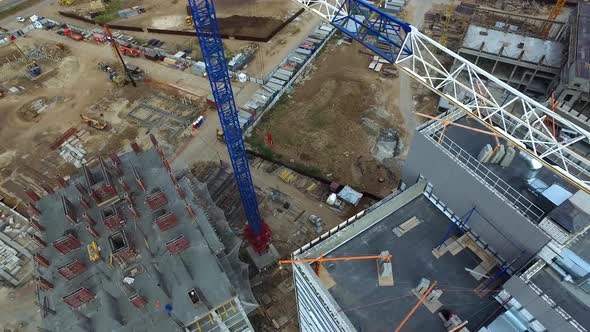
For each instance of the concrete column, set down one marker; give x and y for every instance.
(531, 79)
(585, 110)
(494, 67)
(575, 96)
(512, 74)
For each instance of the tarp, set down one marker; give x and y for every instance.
(350, 195)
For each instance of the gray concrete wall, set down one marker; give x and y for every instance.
(503, 229)
(537, 306)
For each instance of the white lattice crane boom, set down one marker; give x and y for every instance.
(516, 117)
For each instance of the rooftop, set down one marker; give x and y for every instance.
(570, 298)
(153, 245)
(370, 307)
(514, 46)
(528, 189)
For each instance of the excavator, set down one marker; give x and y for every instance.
(100, 125)
(118, 79)
(33, 68)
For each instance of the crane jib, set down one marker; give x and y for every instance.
(508, 112)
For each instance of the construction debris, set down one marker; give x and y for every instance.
(14, 255)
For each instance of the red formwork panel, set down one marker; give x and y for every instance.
(156, 200)
(69, 210)
(166, 221)
(112, 219)
(41, 260)
(44, 283)
(113, 223)
(177, 245)
(138, 301)
(126, 254)
(67, 244)
(79, 297)
(72, 269)
(104, 190)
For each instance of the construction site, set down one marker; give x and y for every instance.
(267, 165)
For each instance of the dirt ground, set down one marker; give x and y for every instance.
(248, 26)
(329, 124)
(240, 19)
(19, 312)
(71, 86)
(171, 15)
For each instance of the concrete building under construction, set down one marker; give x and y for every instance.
(535, 56)
(131, 246)
(506, 241)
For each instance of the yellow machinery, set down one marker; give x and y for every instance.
(119, 80)
(448, 15)
(220, 135)
(93, 252)
(93, 123)
(66, 2)
(553, 15)
(556, 9)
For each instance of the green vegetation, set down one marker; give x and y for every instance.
(110, 12)
(13, 10)
(259, 146)
(307, 170)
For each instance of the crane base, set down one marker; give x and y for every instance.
(262, 261)
(259, 242)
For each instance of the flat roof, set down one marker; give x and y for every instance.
(581, 246)
(572, 299)
(518, 175)
(513, 44)
(370, 307)
(158, 276)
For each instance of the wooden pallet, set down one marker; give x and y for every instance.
(406, 226)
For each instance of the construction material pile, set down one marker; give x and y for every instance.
(72, 150)
(459, 16)
(13, 256)
(524, 7)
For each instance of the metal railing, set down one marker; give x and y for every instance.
(485, 175)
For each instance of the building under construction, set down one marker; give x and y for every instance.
(132, 246)
(506, 240)
(539, 57)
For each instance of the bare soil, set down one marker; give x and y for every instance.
(330, 123)
(70, 86)
(248, 26)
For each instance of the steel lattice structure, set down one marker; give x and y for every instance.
(509, 113)
(207, 28)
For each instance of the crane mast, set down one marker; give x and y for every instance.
(506, 111)
(207, 29)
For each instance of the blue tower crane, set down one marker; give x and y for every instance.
(207, 28)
